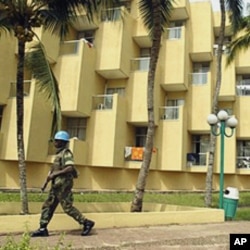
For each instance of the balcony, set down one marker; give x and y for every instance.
(173, 127)
(173, 46)
(199, 78)
(243, 162)
(102, 102)
(197, 159)
(140, 34)
(74, 71)
(202, 49)
(106, 127)
(227, 91)
(201, 92)
(197, 162)
(137, 106)
(181, 10)
(112, 56)
(169, 113)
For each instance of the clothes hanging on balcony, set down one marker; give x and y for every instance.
(137, 153)
(128, 152)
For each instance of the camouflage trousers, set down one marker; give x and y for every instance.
(64, 196)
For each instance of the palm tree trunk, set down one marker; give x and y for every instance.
(144, 170)
(20, 116)
(212, 146)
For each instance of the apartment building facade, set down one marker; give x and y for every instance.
(103, 90)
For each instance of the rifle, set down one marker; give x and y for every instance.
(45, 183)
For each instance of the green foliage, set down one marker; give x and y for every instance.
(25, 244)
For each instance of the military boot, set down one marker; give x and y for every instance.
(41, 232)
(87, 226)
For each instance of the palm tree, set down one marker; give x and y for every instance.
(155, 15)
(242, 42)
(19, 18)
(235, 9)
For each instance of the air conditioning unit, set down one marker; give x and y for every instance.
(100, 106)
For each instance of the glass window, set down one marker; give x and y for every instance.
(140, 136)
(77, 127)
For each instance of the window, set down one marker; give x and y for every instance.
(77, 127)
(140, 136)
(243, 154)
(1, 115)
(174, 30)
(200, 147)
(243, 85)
(199, 75)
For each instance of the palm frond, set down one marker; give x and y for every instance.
(235, 8)
(147, 15)
(237, 45)
(37, 63)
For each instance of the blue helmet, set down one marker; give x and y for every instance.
(62, 135)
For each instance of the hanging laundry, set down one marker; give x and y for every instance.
(137, 153)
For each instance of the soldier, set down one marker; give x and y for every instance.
(61, 175)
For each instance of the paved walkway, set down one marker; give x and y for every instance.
(170, 237)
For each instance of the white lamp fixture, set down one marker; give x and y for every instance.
(222, 115)
(232, 122)
(212, 119)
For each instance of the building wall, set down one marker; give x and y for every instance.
(105, 157)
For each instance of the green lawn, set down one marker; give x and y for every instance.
(175, 198)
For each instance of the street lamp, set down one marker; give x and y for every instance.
(218, 124)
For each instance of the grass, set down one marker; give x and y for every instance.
(174, 198)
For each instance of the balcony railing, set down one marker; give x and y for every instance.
(197, 159)
(140, 64)
(26, 88)
(243, 87)
(113, 14)
(69, 47)
(169, 113)
(173, 33)
(198, 78)
(243, 162)
(102, 102)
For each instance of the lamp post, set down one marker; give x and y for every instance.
(218, 124)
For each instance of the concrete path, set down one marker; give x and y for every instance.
(170, 237)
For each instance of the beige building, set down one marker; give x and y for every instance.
(103, 98)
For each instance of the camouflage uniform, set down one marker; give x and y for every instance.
(60, 191)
